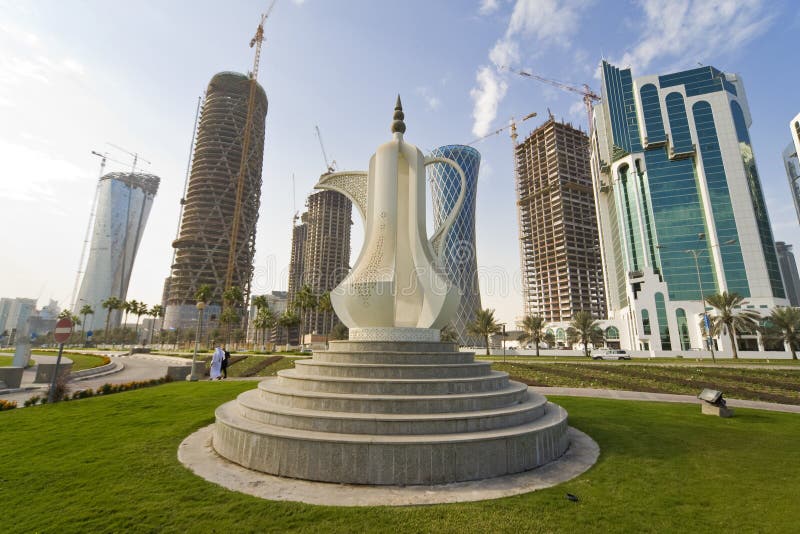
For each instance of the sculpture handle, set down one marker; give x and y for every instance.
(440, 234)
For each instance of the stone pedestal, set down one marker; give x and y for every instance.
(712, 409)
(390, 413)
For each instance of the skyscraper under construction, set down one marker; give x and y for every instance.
(321, 254)
(559, 244)
(203, 246)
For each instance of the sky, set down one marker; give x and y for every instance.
(77, 75)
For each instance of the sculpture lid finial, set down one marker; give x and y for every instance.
(398, 126)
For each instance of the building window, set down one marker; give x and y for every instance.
(683, 328)
(612, 333)
(646, 322)
(663, 325)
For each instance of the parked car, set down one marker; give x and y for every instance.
(610, 354)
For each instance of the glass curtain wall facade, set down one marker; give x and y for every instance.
(123, 206)
(792, 163)
(679, 201)
(459, 251)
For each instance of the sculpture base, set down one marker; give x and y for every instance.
(395, 333)
(390, 413)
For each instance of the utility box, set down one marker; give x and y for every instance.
(714, 404)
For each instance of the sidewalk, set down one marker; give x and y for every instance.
(660, 397)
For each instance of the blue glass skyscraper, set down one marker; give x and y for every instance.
(459, 252)
(679, 201)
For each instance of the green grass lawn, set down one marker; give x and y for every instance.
(770, 385)
(109, 464)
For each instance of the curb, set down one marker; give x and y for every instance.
(108, 369)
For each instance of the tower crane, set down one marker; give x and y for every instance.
(255, 42)
(589, 96)
(332, 165)
(512, 124)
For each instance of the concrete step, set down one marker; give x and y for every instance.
(389, 459)
(391, 346)
(394, 357)
(295, 379)
(274, 392)
(383, 371)
(254, 407)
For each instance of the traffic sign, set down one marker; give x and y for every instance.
(89, 333)
(63, 330)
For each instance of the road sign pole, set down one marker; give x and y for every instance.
(52, 392)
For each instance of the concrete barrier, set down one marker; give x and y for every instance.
(11, 376)
(179, 372)
(44, 371)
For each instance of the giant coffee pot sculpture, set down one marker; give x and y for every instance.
(392, 404)
(396, 290)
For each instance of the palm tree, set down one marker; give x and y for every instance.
(288, 319)
(448, 334)
(730, 316)
(127, 307)
(260, 302)
(85, 310)
(155, 312)
(784, 324)
(138, 309)
(110, 304)
(325, 306)
(304, 301)
(484, 325)
(584, 329)
(232, 298)
(265, 319)
(534, 332)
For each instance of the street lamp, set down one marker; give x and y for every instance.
(695, 254)
(201, 306)
(706, 323)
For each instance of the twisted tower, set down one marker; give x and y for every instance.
(203, 245)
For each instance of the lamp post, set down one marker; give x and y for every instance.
(503, 341)
(695, 254)
(201, 306)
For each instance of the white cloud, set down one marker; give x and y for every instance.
(431, 100)
(490, 91)
(693, 29)
(554, 21)
(31, 175)
(505, 52)
(488, 6)
(547, 22)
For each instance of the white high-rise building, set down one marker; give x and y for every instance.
(680, 206)
(123, 205)
(792, 163)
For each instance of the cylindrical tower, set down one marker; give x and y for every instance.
(123, 205)
(459, 257)
(203, 245)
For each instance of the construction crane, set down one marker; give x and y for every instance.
(256, 41)
(136, 156)
(332, 165)
(512, 124)
(589, 96)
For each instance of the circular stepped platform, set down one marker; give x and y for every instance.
(390, 413)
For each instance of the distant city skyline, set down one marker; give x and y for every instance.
(74, 77)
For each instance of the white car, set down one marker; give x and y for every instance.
(610, 354)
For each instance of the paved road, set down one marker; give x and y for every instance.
(136, 367)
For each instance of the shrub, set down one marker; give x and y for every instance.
(60, 391)
(7, 405)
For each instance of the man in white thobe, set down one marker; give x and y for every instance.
(216, 363)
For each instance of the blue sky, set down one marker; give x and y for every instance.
(76, 75)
